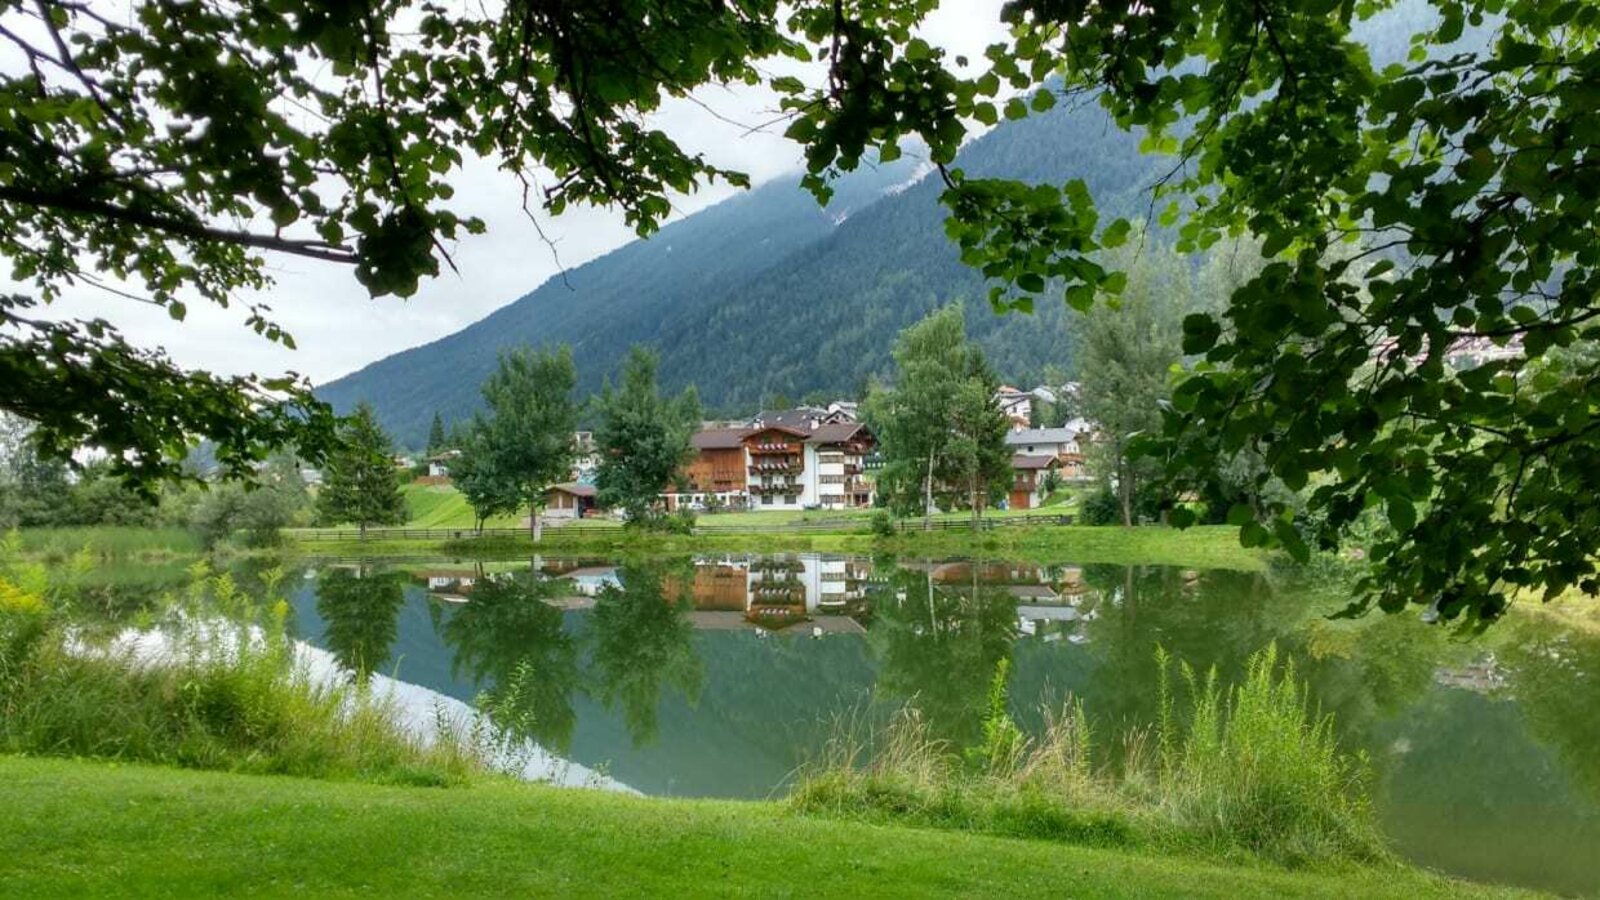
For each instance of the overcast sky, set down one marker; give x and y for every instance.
(338, 329)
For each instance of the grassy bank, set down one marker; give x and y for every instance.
(89, 829)
(1203, 547)
(109, 541)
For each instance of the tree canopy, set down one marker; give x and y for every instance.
(1409, 211)
(360, 485)
(941, 432)
(524, 445)
(642, 437)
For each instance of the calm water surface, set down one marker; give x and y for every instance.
(717, 676)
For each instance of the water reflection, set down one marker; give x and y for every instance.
(641, 644)
(359, 606)
(509, 640)
(718, 675)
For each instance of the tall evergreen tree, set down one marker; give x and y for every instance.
(436, 438)
(643, 438)
(359, 483)
(526, 440)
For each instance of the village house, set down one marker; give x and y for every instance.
(1066, 444)
(716, 473)
(439, 464)
(569, 501)
(1016, 404)
(778, 467)
(585, 456)
(1027, 485)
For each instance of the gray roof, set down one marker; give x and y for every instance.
(1041, 436)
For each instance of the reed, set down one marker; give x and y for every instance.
(1250, 770)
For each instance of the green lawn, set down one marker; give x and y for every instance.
(97, 829)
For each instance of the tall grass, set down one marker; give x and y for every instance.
(109, 541)
(219, 689)
(1251, 770)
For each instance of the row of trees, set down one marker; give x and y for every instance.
(523, 443)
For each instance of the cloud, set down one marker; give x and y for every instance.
(338, 328)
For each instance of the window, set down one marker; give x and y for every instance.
(766, 499)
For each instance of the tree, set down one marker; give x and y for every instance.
(476, 474)
(909, 419)
(360, 608)
(526, 440)
(359, 483)
(1127, 354)
(976, 455)
(642, 438)
(260, 508)
(436, 438)
(169, 147)
(1458, 165)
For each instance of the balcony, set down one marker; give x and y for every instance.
(777, 468)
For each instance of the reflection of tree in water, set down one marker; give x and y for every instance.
(359, 608)
(938, 646)
(1553, 674)
(1365, 672)
(642, 642)
(508, 638)
(1207, 619)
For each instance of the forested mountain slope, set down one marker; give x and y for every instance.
(768, 293)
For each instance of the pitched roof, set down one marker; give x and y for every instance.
(786, 429)
(1041, 436)
(718, 438)
(1032, 462)
(801, 417)
(576, 490)
(836, 433)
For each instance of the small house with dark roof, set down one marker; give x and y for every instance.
(1027, 485)
(569, 501)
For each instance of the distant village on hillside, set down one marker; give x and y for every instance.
(814, 458)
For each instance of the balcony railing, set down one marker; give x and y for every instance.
(774, 448)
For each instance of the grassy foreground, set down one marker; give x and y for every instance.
(93, 829)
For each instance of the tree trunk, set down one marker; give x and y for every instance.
(363, 527)
(535, 525)
(972, 497)
(927, 497)
(1125, 489)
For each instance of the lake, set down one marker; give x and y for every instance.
(717, 676)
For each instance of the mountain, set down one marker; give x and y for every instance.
(768, 293)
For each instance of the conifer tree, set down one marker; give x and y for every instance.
(359, 483)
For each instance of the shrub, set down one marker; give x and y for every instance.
(1100, 508)
(216, 691)
(1253, 771)
(883, 523)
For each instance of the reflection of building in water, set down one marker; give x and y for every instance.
(589, 580)
(774, 592)
(451, 587)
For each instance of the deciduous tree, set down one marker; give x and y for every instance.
(1127, 355)
(526, 438)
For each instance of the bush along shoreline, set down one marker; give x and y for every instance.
(1243, 771)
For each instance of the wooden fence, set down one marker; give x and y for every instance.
(557, 532)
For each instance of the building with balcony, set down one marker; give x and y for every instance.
(1027, 485)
